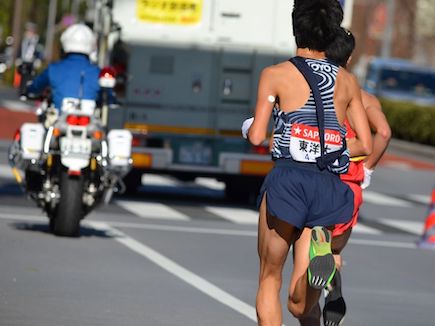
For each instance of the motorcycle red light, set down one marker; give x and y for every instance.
(77, 120)
(107, 77)
(17, 135)
(107, 72)
(84, 121)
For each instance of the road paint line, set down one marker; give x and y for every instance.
(184, 229)
(210, 183)
(152, 210)
(21, 217)
(414, 227)
(235, 215)
(16, 106)
(6, 171)
(381, 199)
(384, 244)
(364, 229)
(369, 242)
(159, 180)
(422, 199)
(179, 271)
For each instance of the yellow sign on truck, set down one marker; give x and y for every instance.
(172, 12)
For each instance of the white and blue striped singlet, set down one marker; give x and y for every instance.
(296, 133)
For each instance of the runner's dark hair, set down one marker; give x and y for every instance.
(341, 48)
(316, 23)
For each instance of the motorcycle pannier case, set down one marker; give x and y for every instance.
(119, 142)
(32, 140)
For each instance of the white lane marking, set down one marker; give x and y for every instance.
(16, 106)
(398, 165)
(384, 244)
(414, 227)
(162, 180)
(159, 180)
(6, 171)
(210, 183)
(370, 242)
(361, 228)
(152, 210)
(422, 199)
(184, 229)
(22, 217)
(236, 215)
(179, 271)
(380, 199)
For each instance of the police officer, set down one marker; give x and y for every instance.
(75, 75)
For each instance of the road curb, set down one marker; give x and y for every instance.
(423, 151)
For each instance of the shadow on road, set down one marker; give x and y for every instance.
(184, 195)
(10, 189)
(85, 232)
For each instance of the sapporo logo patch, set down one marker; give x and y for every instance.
(305, 142)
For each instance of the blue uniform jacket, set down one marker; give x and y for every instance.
(65, 78)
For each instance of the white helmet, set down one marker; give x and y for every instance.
(78, 38)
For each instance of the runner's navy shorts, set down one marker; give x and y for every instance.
(304, 196)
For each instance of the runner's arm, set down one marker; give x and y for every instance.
(263, 109)
(362, 144)
(379, 125)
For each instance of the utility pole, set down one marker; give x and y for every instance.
(389, 29)
(50, 29)
(102, 27)
(75, 8)
(16, 28)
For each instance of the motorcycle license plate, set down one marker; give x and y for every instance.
(75, 146)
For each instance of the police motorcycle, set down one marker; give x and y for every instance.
(67, 163)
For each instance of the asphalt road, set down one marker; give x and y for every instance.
(180, 254)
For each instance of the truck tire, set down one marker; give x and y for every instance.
(70, 210)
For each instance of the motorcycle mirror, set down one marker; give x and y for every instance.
(107, 77)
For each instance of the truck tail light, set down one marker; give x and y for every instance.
(142, 160)
(138, 140)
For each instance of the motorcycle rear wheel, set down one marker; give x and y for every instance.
(70, 209)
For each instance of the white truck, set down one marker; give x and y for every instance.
(192, 68)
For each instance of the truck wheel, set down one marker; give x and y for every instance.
(132, 181)
(70, 210)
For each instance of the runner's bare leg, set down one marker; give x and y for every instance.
(302, 299)
(274, 240)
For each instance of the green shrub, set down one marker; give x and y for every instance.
(411, 122)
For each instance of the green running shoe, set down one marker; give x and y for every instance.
(321, 269)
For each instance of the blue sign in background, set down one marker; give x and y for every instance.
(342, 3)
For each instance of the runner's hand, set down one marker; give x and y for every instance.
(245, 127)
(367, 178)
(340, 165)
